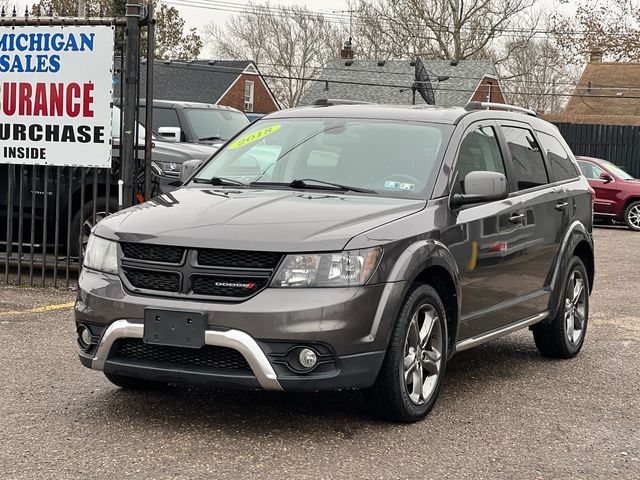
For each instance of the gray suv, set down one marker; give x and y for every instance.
(346, 246)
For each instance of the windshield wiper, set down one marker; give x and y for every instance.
(220, 181)
(212, 137)
(322, 185)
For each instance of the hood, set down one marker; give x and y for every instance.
(180, 152)
(267, 220)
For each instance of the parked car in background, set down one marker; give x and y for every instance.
(346, 246)
(194, 122)
(617, 194)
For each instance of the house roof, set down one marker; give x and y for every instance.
(202, 81)
(607, 93)
(383, 83)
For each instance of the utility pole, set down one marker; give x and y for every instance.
(82, 8)
(128, 155)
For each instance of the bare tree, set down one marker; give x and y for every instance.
(435, 28)
(288, 42)
(613, 26)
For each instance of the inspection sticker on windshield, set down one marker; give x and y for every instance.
(252, 137)
(399, 186)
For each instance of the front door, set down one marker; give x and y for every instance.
(606, 191)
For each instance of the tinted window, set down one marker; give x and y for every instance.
(165, 117)
(527, 159)
(590, 170)
(479, 151)
(561, 164)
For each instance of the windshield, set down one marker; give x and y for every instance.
(392, 158)
(215, 124)
(617, 171)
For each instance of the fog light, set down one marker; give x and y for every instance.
(307, 358)
(84, 337)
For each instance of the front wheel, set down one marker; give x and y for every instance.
(411, 375)
(632, 216)
(564, 336)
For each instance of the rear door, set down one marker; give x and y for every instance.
(546, 206)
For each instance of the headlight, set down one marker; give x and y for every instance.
(101, 255)
(342, 269)
(167, 168)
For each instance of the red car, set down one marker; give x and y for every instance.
(617, 194)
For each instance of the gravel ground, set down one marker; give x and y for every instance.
(504, 411)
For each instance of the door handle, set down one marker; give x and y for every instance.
(560, 206)
(516, 218)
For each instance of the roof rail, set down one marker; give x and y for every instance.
(498, 106)
(325, 102)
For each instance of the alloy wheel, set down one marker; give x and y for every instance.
(423, 348)
(87, 225)
(633, 216)
(575, 307)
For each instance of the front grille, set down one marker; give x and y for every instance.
(209, 356)
(238, 258)
(236, 287)
(153, 279)
(152, 253)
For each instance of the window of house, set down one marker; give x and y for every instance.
(248, 96)
(489, 90)
(526, 156)
(479, 151)
(561, 164)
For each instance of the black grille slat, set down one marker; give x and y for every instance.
(208, 357)
(152, 253)
(153, 280)
(238, 258)
(216, 286)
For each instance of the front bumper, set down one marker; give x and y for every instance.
(349, 327)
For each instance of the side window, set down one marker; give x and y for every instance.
(479, 151)
(561, 164)
(165, 117)
(527, 159)
(590, 170)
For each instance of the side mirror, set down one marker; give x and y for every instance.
(481, 186)
(170, 134)
(606, 177)
(188, 168)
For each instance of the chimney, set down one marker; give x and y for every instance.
(346, 52)
(595, 54)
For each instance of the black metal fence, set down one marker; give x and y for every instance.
(620, 144)
(48, 211)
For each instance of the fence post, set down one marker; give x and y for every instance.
(149, 101)
(132, 57)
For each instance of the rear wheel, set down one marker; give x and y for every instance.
(632, 216)
(564, 336)
(411, 375)
(132, 383)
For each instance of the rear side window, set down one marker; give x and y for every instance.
(527, 158)
(561, 164)
(479, 151)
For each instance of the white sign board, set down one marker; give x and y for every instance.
(55, 95)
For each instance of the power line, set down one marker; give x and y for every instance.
(202, 67)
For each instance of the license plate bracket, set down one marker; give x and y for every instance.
(174, 328)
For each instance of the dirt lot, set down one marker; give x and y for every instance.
(504, 412)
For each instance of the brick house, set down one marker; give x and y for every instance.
(608, 93)
(390, 82)
(237, 84)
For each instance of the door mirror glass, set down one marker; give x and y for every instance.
(188, 168)
(169, 134)
(606, 177)
(481, 186)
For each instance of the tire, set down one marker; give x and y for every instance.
(564, 336)
(392, 397)
(132, 383)
(632, 216)
(87, 222)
